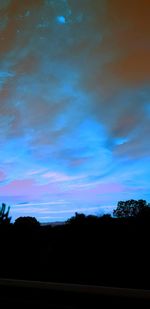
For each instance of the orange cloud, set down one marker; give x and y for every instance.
(133, 68)
(15, 13)
(129, 24)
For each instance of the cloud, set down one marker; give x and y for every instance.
(128, 24)
(119, 71)
(74, 97)
(2, 176)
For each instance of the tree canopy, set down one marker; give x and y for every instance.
(130, 208)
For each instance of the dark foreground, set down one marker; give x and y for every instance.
(99, 252)
(31, 294)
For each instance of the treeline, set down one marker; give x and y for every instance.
(106, 250)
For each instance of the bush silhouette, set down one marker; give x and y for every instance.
(27, 222)
(79, 218)
(4, 214)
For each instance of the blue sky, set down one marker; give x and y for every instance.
(74, 106)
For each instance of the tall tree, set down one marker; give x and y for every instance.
(130, 208)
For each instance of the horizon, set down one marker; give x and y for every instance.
(56, 215)
(74, 106)
(52, 220)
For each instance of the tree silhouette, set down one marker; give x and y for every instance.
(130, 208)
(4, 214)
(77, 219)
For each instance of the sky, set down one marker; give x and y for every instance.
(74, 106)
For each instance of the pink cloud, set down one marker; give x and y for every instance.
(101, 192)
(2, 176)
(28, 188)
